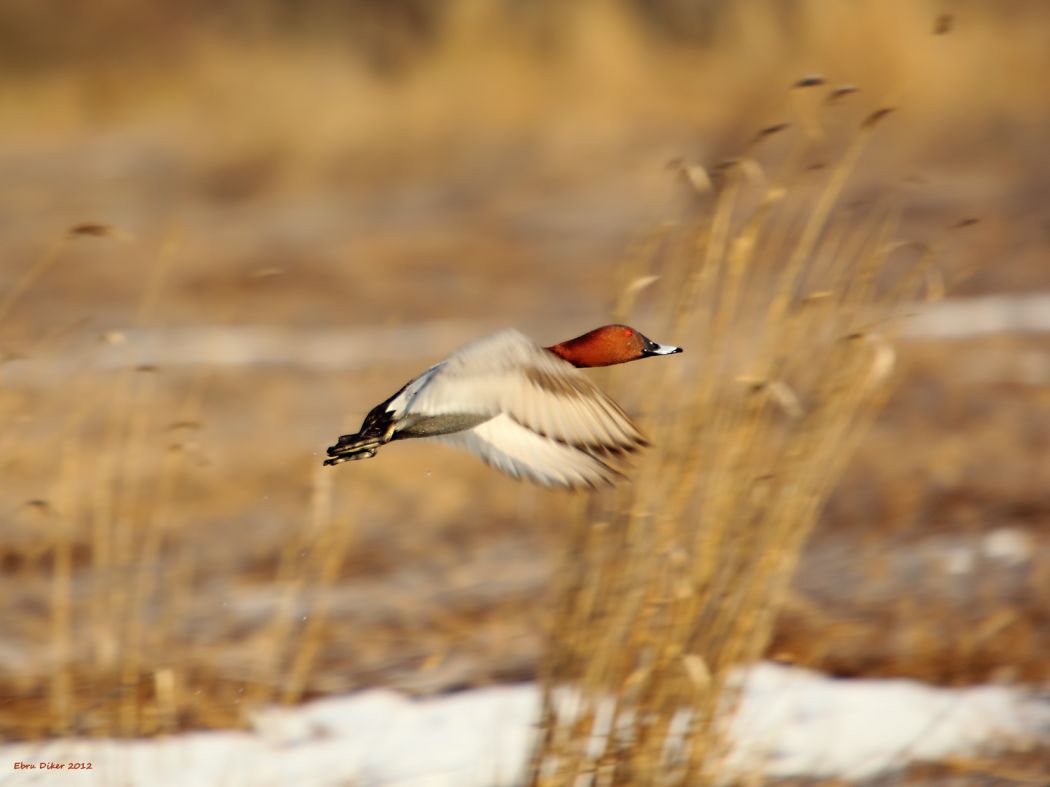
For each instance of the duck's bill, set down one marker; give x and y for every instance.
(661, 349)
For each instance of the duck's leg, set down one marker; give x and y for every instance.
(380, 428)
(415, 425)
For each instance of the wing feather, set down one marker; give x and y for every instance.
(521, 453)
(547, 421)
(509, 373)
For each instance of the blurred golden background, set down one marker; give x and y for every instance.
(231, 228)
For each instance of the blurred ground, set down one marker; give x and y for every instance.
(487, 170)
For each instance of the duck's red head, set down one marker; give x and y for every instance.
(608, 345)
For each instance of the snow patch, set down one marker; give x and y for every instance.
(790, 722)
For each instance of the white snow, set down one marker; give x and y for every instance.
(790, 722)
(797, 722)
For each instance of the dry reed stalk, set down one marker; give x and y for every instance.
(135, 604)
(152, 633)
(31, 275)
(179, 574)
(299, 563)
(672, 582)
(131, 528)
(115, 613)
(313, 559)
(331, 548)
(144, 637)
(61, 699)
(151, 625)
(125, 610)
(107, 600)
(62, 708)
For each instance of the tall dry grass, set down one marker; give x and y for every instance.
(764, 285)
(674, 581)
(123, 561)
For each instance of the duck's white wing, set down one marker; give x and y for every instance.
(521, 453)
(549, 422)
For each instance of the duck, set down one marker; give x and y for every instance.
(524, 409)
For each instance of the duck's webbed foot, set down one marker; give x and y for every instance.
(377, 430)
(351, 447)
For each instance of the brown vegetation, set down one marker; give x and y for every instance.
(173, 553)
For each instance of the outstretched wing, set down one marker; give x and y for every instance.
(548, 422)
